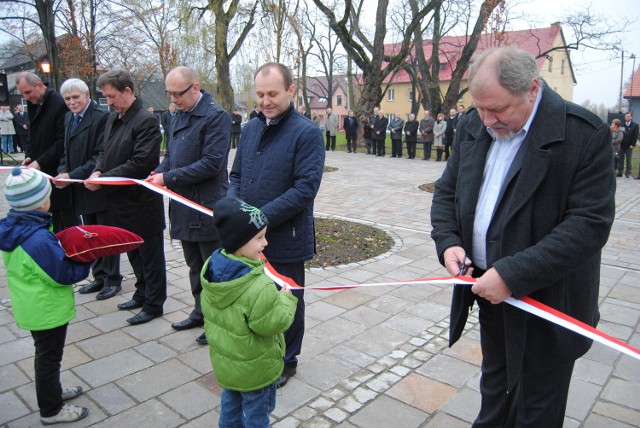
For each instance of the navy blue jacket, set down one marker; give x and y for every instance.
(195, 167)
(278, 168)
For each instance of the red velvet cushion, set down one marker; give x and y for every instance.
(90, 242)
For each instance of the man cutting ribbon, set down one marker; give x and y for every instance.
(526, 202)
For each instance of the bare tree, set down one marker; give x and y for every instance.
(329, 60)
(369, 55)
(224, 55)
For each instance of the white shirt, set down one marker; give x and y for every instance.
(499, 160)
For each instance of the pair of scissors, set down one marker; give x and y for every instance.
(463, 266)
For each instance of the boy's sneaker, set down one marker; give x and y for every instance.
(68, 413)
(69, 393)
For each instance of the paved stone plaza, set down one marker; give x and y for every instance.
(372, 357)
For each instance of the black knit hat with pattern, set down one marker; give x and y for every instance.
(237, 222)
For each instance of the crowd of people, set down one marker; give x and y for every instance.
(264, 205)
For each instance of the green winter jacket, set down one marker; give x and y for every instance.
(245, 317)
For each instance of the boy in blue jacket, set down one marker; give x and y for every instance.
(40, 280)
(244, 317)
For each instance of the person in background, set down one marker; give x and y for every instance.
(616, 138)
(83, 138)
(7, 130)
(368, 131)
(255, 112)
(195, 166)
(525, 203)
(47, 111)
(236, 128)
(449, 133)
(21, 124)
(40, 280)
(411, 135)
(439, 129)
(132, 149)
(167, 116)
(350, 126)
(331, 124)
(395, 126)
(426, 134)
(380, 133)
(245, 317)
(278, 168)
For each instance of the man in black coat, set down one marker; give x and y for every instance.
(132, 150)
(166, 121)
(411, 135)
(449, 133)
(526, 202)
(350, 125)
(236, 128)
(379, 133)
(46, 110)
(629, 141)
(21, 124)
(83, 138)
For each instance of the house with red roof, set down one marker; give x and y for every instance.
(318, 97)
(632, 94)
(546, 44)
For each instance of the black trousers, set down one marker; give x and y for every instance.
(396, 148)
(427, 150)
(351, 144)
(49, 346)
(106, 269)
(411, 149)
(235, 139)
(331, 141)
(380, 147)
(195, 254)
(538, 400)
(294, 335)
(149, 267)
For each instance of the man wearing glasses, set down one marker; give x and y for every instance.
(195, 167)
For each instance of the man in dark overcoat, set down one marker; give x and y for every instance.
(350, 125)
(132, 150)
(21, 123)
(526, 202)
(83, 138)
(46, 110)
(195, 167)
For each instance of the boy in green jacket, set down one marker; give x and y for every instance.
(246, 355)
(40, 280)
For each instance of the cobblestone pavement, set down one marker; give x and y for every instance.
(372, 357)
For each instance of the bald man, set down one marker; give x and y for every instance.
(195, 167)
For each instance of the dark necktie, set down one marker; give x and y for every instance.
(76, 121)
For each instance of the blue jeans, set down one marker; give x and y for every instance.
(7, 143)
(247, 409)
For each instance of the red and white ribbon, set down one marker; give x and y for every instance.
(527, 304)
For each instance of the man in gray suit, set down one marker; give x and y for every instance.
(526, 203)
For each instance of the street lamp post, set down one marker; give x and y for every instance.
(621, 79)
(46, 69)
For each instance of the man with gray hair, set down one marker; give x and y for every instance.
(132, 150)
(195, 167)
(524, 205)
(83, 138)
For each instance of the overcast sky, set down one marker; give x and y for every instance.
(597, 73)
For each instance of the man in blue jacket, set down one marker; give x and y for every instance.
(278, 168)
(195, 166)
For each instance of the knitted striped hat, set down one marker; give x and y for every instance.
(26, 189)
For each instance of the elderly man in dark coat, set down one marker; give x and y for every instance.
(526, 201)
(132, 150)
(83, 138)
(195, 167)
(46, 110)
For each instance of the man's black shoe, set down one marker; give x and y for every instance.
(142, 317)
(187, 324)
(202, 339)
(91, 287)
(131, 304)
(108, 291)
(287, 373)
